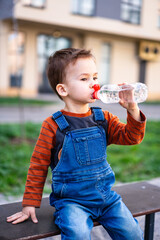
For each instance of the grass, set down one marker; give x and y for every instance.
(138, 162)
(14, 156)
(15, 101)
(130, 163)
(153, 102)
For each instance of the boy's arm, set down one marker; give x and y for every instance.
(37, 173)
(132, 108)
(126, 134)
(40, 161)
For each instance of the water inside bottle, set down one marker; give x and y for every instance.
(140, 93)
(128, 93)
(113, 93)
(108, 96)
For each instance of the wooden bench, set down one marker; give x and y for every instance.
(141, 198)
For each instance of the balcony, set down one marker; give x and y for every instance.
(60, 14)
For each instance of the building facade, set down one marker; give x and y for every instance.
(124, 36)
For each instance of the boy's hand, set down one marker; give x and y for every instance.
(24, 215)
(126, 101)
(130, 106)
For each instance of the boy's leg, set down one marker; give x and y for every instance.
(74, 221)
(119, 222)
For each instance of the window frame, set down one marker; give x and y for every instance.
(130, 4)
(16, 79)
(158, 18)
(31, 4)
(105, 63)
(159, 21)
(44, 86)
(80, 13)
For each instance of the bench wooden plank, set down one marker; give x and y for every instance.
(141, 198)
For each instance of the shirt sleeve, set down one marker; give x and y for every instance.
(39, 163)
(120, 133)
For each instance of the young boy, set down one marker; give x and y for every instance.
(73, 143)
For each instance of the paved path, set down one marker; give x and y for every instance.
(38, 114)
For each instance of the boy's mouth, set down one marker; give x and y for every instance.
(92, 95)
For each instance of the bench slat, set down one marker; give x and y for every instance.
(141, 198)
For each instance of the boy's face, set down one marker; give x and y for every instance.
(79, 80)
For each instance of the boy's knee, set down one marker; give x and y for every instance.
(74, 223)
(73, 231)
(79, 233)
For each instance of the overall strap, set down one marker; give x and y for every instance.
(60, 120)
(98, 114)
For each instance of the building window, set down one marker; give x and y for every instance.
(35, 3)
(104, 70)
(131, 11)
(159, 20)
(83, 7)
(159, 14)
(46, 46)
(16, 44)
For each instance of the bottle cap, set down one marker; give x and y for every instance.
(96, 88)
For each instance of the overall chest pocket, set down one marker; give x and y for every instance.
(90, 147)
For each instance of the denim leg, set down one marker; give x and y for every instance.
(119, 223)
(74, 221)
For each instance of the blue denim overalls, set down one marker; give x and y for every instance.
(81, 185)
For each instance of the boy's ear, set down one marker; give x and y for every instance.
(61, 90)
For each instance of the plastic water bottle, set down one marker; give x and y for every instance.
(112, 93)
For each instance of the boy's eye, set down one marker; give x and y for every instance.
(85, 79)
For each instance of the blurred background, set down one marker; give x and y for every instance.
(124, 36)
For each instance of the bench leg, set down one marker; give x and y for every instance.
(149, 226)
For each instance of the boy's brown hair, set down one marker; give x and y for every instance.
(59, 61)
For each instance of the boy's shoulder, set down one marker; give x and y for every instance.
(48, 120)
(50, 123)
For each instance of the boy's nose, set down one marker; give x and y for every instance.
(92, 83)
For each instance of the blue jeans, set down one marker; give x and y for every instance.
(76, 221)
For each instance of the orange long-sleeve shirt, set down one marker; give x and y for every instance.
(118, 133)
